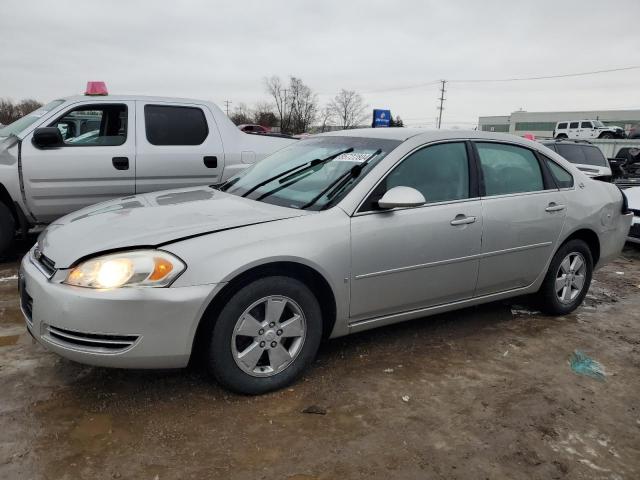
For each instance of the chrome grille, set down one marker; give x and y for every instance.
(98, 342)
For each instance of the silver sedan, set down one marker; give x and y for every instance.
(334, 234)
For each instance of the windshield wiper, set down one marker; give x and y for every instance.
(339, 183)
(292, 172)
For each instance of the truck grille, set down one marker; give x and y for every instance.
(97, 342)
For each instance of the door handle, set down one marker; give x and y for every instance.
(120, 163)
(554, 207)
(462, 220)
(210, 162)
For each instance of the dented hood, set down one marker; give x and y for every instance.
(151, 220)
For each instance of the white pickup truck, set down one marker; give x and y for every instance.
(81, 150)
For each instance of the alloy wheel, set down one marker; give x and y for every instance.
(570, 277)
(268, 336)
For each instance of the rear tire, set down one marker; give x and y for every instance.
(561, 136)
(265, 336)
(7, 229)
(567, 280)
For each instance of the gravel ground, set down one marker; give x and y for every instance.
(482, 393)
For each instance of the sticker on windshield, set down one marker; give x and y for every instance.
(352, 157)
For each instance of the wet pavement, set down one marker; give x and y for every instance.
(483, 393)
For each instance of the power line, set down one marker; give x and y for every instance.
(509, 79)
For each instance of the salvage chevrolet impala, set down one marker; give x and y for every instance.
(332, 235)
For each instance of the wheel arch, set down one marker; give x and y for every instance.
(8, 201)
(590, 238)
(310, 276)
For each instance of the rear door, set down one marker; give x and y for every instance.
(96, 162)
(573, 131)
(523, 213)
(178, 145)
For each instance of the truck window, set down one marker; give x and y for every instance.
(586, 125)
(173, 125)
(562, 126)
(93, 125)
(573, 124)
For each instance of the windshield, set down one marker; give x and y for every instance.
(306, 174)
(597, 123)
(22, 123)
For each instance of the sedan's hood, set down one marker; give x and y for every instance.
(150, 220)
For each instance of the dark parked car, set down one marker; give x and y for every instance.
(584, 155)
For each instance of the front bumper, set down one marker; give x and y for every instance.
(125, 327)
(634, 231)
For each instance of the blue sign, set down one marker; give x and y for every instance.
(381, 118)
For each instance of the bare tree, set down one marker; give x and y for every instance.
(296, 105)
(278, 92)
(10, 111)
(304, 106)
(326, 118)
(348, 107)
(263, 114)
(241, 114)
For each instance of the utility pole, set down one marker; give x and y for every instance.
(226, 104)
(442, 99)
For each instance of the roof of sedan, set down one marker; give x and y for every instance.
(403, 134)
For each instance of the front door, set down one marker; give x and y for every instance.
(95, 163)
(178, 146)
(405, 259)
(523, 213)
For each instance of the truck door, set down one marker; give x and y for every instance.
(574, 130)
(178, 145)
(586, 130)
(95, 163)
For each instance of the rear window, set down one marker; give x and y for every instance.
(562, 126)
(594, 156)
(582, 154)
(172, 125)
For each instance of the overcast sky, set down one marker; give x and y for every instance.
(223, 50)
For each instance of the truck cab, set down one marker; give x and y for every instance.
(81, 150)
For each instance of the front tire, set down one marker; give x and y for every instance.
(567, 280)
(266, 335)
(7, 229)
(606, 136)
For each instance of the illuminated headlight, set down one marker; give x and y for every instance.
(137, 268)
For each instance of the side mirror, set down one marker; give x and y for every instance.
(47, 137)
(399, 197)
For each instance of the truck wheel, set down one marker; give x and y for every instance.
(7, 229)
(567, 280)
(561, 136)
(606, 135)
(265, 336)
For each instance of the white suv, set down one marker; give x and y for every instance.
(586, 129)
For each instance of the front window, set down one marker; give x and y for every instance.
(310, 174)
(598, 124)
(19, 125)
(94, 125)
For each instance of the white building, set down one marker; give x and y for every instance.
(541, 124)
